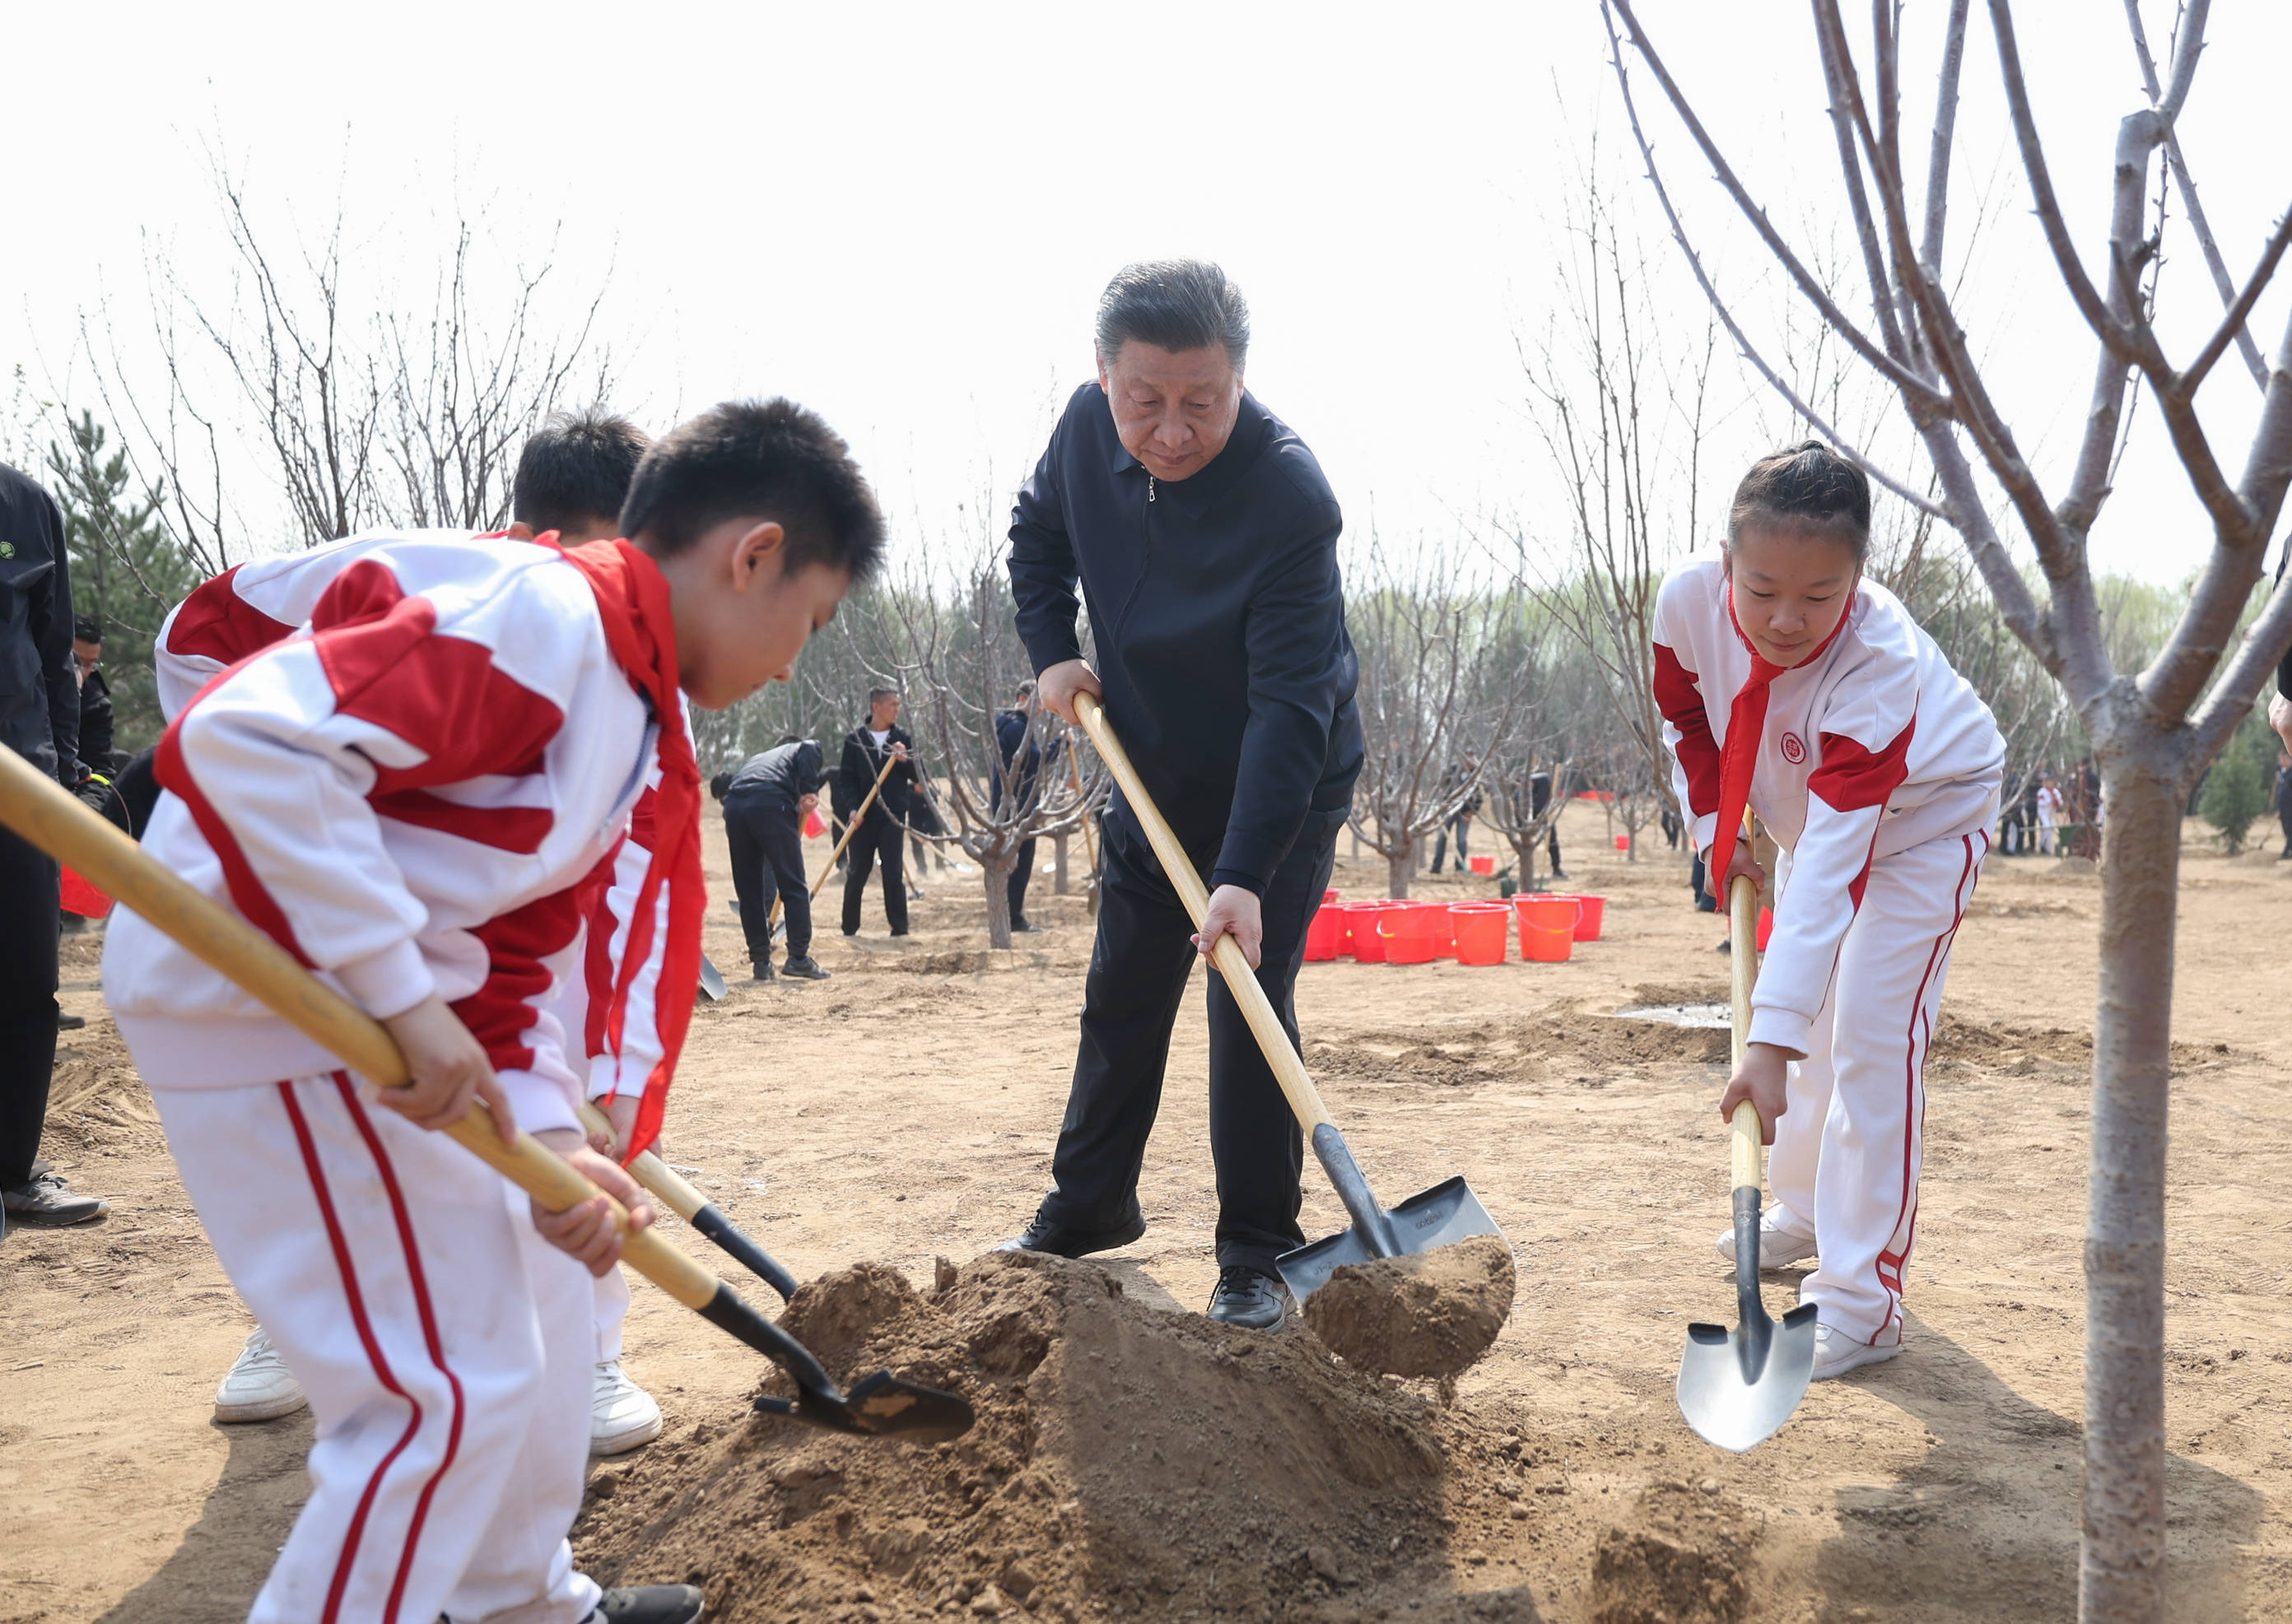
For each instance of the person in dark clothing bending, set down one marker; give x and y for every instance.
(1460, 822)
(1203, 538)
(1022, 769)
(39, 721)
(880, 833)
(764, 806)
(1539, 797)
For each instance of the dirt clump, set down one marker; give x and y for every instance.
(1683, 1559)
(1128, 1462)
(1431, 1315)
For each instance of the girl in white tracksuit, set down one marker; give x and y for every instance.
(1791, 683)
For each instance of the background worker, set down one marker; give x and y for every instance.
(39, 721)
(1023, 759)
(880, 833)
(765, 802)
(1462, 780)
(1231, 648)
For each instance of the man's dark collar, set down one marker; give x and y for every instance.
(1251, 428)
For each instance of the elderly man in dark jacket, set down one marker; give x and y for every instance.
(39, 721)
(1203, 538)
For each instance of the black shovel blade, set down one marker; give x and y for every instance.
(1737, 1387)
(1447, 1213)
(883, 1405)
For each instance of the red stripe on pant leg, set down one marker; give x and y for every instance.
(357, 1531)
(429, 1335)
(1890, 1264)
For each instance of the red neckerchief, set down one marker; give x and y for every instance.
(632, 601)
(1747, 728)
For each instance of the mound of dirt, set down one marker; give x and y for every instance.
(1128, 1462)
(1432, 1315)
(1683, 1562)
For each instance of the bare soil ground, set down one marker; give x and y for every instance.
(905, 1111)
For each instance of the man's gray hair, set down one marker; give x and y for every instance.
(1174, 305)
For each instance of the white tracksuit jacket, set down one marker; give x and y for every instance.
(1874, 745)
(252, 606)
(416, 836)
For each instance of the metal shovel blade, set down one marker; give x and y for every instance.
(1737, 1387)
(712, 982)
(1438, 1216)
(878, 1406)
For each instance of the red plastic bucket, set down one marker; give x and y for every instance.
(1590, 910)
(1548, 926)
(1361, 927)
(1623, 842)
(1325, 936)
(1482, 930)
(1484, 865)
(82, 898)
(1412, 931)
(812, 827)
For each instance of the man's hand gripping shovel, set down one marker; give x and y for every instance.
(39, 809)
(1446, 1213)
(1737, 1388)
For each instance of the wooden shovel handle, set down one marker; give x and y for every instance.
(1232, 963)
(39, 809)
(1743, 964)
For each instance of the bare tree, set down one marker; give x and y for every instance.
(366, 409)
(2153, 730)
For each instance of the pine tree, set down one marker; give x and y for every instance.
(126, 570)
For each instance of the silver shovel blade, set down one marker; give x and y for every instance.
(1440, 1216)
(1734, 1393)
(712, 982)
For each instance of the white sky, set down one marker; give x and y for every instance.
(902, 213)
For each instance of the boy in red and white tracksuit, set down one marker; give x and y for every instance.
(1875, 766)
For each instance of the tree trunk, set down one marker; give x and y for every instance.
(1058, 865)
(2122, 1572)
(1398, 867)
(999, 862)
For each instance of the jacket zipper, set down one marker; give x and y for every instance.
(1149, 487)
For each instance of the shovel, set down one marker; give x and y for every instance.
(712, 983)
(773, 924)
(1736, 1388)
(689, 1203)
(39, 809)
(1447, 1212)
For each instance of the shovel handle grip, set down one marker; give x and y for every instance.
(39, 809)
(1743, 965)
(1241, 981)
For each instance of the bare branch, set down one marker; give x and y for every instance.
(1945, 126)
(2232, 698)
(2240, 311)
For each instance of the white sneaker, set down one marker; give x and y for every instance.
(1835, 1353)
(1777, 1245)
(622, 1415)
(259, 1387)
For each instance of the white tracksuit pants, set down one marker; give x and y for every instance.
(1848, 1147)
(447, 1351)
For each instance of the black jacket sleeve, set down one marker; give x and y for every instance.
(811, 769)
(1296, 641)
(51, 626)
(1044, 576)
(95, 720)
(853, 777)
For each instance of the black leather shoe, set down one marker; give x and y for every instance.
(1020, 927)
(1252, 1300)
(1042, 1235)
(48, 1203)
(805, 969)
(650, 1604)
(763, 970)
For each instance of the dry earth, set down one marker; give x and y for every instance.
(906, 1110)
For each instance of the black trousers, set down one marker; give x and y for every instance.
(1463, 827)
(1018, 889)
(767, 839)
(1138, 971)
(28, 898)
(879, 835)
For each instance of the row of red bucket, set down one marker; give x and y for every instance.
(1469, 932)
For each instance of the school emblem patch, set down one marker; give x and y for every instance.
(1793, 749)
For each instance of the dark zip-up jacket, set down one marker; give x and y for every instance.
(862, 760)
(1219, 618)
(1023, 759)
(785, 773)
(39, 693)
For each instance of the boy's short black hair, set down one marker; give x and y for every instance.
(575, 469)
(1808, 488)
(766, 459)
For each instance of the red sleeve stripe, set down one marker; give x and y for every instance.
(388, 666)
(517, 828)
(1680, 697)
(1852, 778)
(501, 1013)
(216, 623)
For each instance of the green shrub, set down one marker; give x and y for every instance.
(2235, 796)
